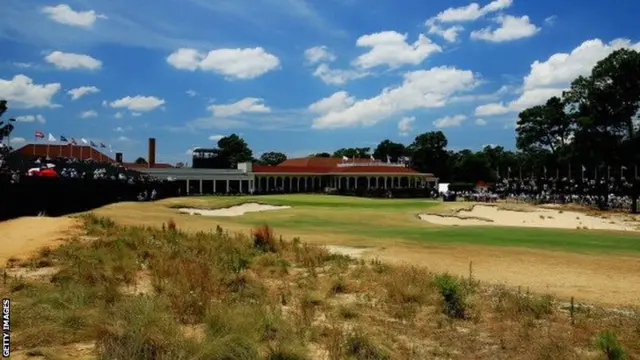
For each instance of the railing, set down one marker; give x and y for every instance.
(371, 163)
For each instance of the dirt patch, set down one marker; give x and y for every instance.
(540, 218)
(347, 250)
(237, 210)
(22, 237)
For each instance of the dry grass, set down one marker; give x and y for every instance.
(215, 295)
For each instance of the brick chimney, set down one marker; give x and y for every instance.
(152, 152)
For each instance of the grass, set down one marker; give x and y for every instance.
(379, 219)
(219, 295)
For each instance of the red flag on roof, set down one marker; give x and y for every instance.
(39, 135)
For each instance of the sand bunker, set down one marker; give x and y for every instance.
(541, 218)
(237, 210)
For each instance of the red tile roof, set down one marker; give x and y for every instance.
(54, 150)
(319, 165)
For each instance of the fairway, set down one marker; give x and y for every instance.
(591, 264)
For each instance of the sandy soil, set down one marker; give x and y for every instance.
(347, 250)
(237, 210)
(21, 237)
(535, 217)
(603, 279)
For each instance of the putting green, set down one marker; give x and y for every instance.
(396, 219)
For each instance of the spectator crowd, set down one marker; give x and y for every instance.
(611, 193)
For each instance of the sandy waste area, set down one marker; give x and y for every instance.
(237, 210)
(541, 218)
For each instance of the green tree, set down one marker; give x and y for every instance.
(428, 154)
(545, 126)
(272, 158)
(323, 154)
(352, 152)
(232, 151)
(391, 149)
(141, 160)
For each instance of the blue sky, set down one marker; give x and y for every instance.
(297, 76)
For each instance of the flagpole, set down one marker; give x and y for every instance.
(34, 145)
(60, 150)
(48, 145)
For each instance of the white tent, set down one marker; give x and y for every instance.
(443, 188)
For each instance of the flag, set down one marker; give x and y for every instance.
(63, 139)
(39, 135)
(372, 158)
(388, 159)
(73, 141)
(52, 138)
(84, 141)
(110, 148)
(584, 168)
(93, 144)
(344, 158)
(545, 171)
(102, 145)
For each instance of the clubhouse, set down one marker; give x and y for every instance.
(308, 174)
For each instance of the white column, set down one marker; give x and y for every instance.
(214, 186)
(188, 187)
(368, 182)
(227, 185)
(200, 186)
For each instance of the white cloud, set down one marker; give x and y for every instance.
(318, 54)
(405, 125)
(79, 92)
(21, 92)
(338, 101)
(17, 140)
(246, 105)
(450, 33)
(215, 137)
(420, 89)
(138, 103)
(551, 77)
(491, 109)
(118, 129)
(191, 93)
(136, 114)
(449, 121)
(88, 114)
(23, 65)
(480, 122)
(242, 64)
(123, 139)
(551, 20)
(118, 115)
(337, 76)
(32, 118)
(68, 61)
(390, 48)
(511, 28)
(64, 14)
(469, 12)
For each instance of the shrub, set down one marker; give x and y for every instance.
(607, 342)
(361, 347)
(264, 239)
(453, 296)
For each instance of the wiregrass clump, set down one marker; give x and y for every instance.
(215, 295)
